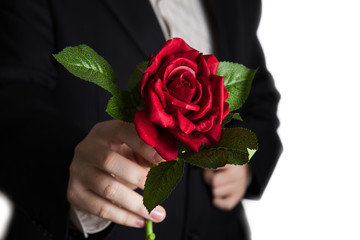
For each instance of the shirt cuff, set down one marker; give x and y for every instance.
(87, 223)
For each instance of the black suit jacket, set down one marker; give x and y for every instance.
(45, 111)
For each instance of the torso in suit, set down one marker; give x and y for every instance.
(45, 111)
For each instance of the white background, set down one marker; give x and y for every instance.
(312, 48)
(5, 212)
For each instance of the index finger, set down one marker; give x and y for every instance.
(119, 132)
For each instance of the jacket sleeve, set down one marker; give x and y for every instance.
(260, 109)
(37, 142)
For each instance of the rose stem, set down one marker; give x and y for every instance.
(149, 230)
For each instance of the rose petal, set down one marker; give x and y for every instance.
(166, 145)
(198, 92)
(184, 124)
(190, 141)
(147, 130)
(178, 103)
(205, 102)
(158, 90)
(178, 71)
(159, 138)
(206, 123)
(153, 64)
(191, 55)
(173, 46)
(143, 89)
(183, 88)
(180, 62)
(203, 69)
(160, 73)
(226, 110)
(212, 63)
(218, 90)
(163, 66)
(183, 94)
(213, 136)
(156, 111)
(226, 93)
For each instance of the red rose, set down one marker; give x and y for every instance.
(185, 100)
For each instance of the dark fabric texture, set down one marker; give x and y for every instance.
(45, 111)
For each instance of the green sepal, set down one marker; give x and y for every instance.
(160, 182)
(236, 146)
(134, 82)
(83, 62)
(238, 80)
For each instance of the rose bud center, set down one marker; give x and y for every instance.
(181, 83)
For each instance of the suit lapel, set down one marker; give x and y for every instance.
(139, 21)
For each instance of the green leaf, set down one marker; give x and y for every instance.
(122, 107)
(237, 117)
(230, 116)
(134, 82)
(160, 182)
(236, 146)
(238, 80)
(83, 62)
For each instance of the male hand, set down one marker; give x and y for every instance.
(107, 166)
(228, 184)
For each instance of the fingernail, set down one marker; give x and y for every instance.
(140, 222)
(157, 214)
(157, 158)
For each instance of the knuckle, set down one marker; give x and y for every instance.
(111, 190)
(73, 168)
(120, 125)
(103, 212)
(71, 194)
(224, 204)
(142, 144)
(109, 160)
(229, 206)
(216, 192)
(216, 203)
(78, 148)
(97, 126)
(143, 147)
(141, 210)
(141, 180)
(126, 220)
(215, 180)
(207, 177)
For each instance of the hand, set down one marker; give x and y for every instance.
(107, 166)
(228, 184)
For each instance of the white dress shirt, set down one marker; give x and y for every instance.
(185, 19)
